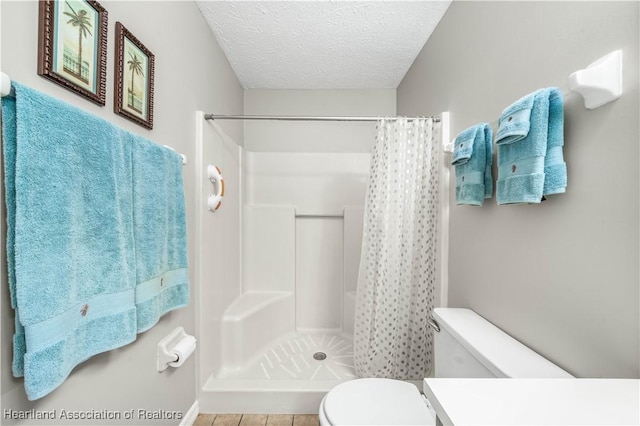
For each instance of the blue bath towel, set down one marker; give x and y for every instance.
(70, 244)
(530, 139)
(472, 158)
(160, 234)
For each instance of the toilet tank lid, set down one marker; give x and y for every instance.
(500, 353)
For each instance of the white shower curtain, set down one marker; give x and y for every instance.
(396, 279)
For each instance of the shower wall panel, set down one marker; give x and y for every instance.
(319, 288)
(268, 248)
(218, 238)
(314, 183)
(353, 222)
(315, 200)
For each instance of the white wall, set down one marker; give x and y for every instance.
(561, 276)
(191, 73)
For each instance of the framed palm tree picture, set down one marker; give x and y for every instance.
(133, 91)
(72, 48)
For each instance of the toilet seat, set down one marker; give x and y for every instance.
(375, 402)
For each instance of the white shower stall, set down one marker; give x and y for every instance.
(278, 262)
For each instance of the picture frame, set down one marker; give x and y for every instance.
(72, 49)
(134, 72)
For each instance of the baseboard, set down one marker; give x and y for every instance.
(191, 415)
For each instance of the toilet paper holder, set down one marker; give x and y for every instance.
(166, 356)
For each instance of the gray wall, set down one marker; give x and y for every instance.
(561, 276)
(191, 73)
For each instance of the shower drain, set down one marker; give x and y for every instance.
(319, 356)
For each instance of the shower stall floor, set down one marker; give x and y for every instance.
(291, 375)
(309, 356)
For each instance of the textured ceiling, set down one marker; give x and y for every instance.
(322, 44)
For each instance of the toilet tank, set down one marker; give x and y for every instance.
(470, 346)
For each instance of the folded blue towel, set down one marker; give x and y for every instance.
(472, 158)
(555, 169)
(70, 243)
(159, 218)
(530, 139)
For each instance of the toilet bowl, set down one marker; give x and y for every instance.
(375, 402)
(466, 346)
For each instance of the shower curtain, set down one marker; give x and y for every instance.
(396, 280)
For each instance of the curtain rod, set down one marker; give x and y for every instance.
(304, 118)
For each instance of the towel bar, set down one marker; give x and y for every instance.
(5, 85)
(7, 90)
(601, 82)
(184, 157)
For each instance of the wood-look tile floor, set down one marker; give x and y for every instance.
(257, 420)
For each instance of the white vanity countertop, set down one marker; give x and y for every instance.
(535, 401)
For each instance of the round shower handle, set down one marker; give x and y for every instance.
(217, 181)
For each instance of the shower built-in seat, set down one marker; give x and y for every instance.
(253, 321)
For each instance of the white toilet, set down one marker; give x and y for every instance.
(467, 345)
